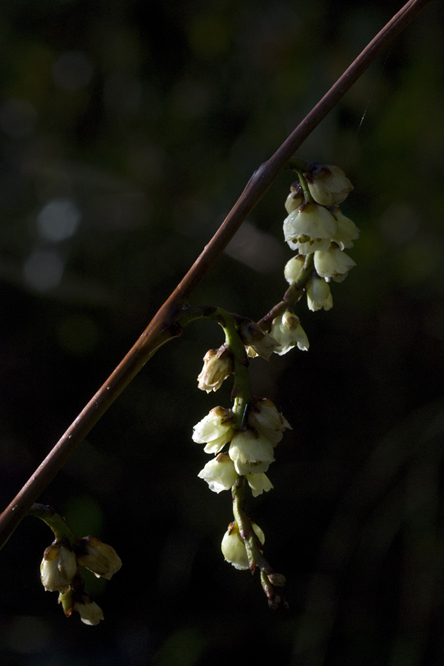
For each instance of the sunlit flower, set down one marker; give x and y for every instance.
(328, 184)
(250, 452)
(318, 294)
(264, 417)
(255, 338)
(98, 557)
(58, 567)
(309, 228)
(347, 230)
(293, 268)
(333, 263)
(219, 473)
(218, 365)
(215, 430)
(233, 547)
(259, 483)
(288, 332)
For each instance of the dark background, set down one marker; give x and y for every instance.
(128, 129)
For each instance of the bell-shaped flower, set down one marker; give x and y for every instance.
(215, 430)
(347, 230)
(233, 547)
(333, 263)
(288, 332)
(58, 567)
(318, 294)
(293, 268)
(256, 339)
(98, 557)
(309, 228)
(259, 483)
(219, 473)
(90, 613)
(218, 365)
(264, 417)
(250, 452)
(328, 184)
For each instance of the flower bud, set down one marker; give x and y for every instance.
(215, 430)
(295, 198)
(253, 336)
(98, 557)
(293, 268)
(288, 332)
(328, 184)
(58, 567)
(276, 579)
(218, 365)
(233, 547)
(219, 473)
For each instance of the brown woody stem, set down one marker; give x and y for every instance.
(162, 327)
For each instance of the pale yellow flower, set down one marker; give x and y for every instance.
(58, 567)
(219, 473)
(318, 294)
(233, 547)
(328, 184)
(215, 430)
(288, 332)
(98, 557)
(218, 365)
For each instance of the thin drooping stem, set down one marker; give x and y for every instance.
(163, 327)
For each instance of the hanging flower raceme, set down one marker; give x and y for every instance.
(59, 570)
(309, 229)
(250, 431)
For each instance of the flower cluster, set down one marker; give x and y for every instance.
(315, 223)
(243, 439)
(59, 573)
(251, 448)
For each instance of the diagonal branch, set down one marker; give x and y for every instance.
(163, 327)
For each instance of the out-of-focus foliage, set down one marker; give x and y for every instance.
(128, 129)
